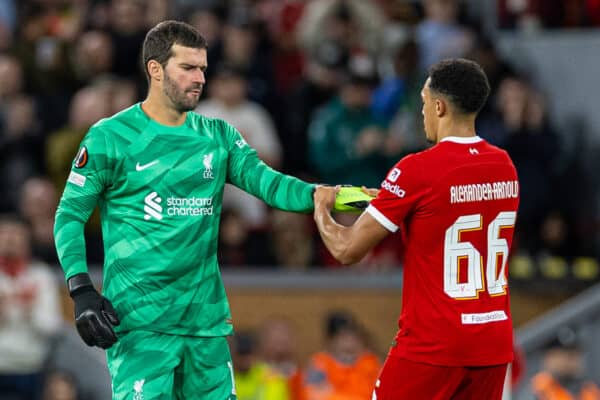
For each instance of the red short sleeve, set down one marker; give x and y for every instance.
(401, 190)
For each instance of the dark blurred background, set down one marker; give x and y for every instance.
(327, 90)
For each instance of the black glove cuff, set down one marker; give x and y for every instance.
(79, 283)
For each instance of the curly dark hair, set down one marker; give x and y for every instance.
(159, 41)
(462, 81)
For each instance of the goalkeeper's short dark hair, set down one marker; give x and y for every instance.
(463, 82)
(159, 41)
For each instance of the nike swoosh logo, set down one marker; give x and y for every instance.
(139, 167)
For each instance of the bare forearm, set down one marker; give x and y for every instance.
(333, 234)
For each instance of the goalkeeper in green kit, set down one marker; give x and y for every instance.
(157, 172)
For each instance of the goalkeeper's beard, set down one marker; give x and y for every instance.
(179, 98)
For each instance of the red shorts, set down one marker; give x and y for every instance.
(402, 379)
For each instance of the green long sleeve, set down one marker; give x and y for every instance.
(246, 171)
(90, 174)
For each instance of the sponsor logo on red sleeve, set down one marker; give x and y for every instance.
(394, 174)
(395, 189)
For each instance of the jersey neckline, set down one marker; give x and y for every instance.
(161, 126)
(462, 139)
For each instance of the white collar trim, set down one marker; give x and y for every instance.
(462, 140)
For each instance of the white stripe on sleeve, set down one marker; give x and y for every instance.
(382, 219)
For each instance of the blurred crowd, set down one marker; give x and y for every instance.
(267, 366)
(532, 15)
(327, 90)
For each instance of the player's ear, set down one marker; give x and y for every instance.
(155, 70)
(440, 107)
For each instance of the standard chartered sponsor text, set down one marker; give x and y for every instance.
(189, 206)
(484, 191)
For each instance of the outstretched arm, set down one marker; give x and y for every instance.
(246, 171)
(348, 244)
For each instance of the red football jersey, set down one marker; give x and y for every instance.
(456, 205)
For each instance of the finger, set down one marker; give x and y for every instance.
(369, 191)
(110, 313)
(103, 327)
(111, 318)
(95, 330)
(85, 331)
(87, 326)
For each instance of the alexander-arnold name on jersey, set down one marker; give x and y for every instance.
(484, 191)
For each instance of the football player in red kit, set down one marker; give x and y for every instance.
(455, 205)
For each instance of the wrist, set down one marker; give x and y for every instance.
(80, 283)
(321, 213)
(320, 206)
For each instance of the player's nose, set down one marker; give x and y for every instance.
(199, 77)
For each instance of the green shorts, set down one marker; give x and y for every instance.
(148, 365)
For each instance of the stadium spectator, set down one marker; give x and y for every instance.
(323, 73)
(11, 75)
(396, 101)
(20, 135)
(233, 239)
(8, 16)
(354, 24)
(240, 47)
(255, 380)
(127, 28)
(346, 141)
(563, 374)
(239, 244)
(88, 106)
(495, 67)
(44, 37)
(30, 313)
(158, 10)
(280, 20)
(60, 385)
(346, 369)
(526, 126)
(208, 21)
(532, 15)
(439, 35)
(92, 56)
(489, 122)
(277, 347)
(37, 205)
(554, 236)
(392, 91)
(292, 239)
(123, 93)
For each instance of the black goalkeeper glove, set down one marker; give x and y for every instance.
(94, 314)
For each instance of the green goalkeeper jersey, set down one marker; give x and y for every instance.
(159, 190)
